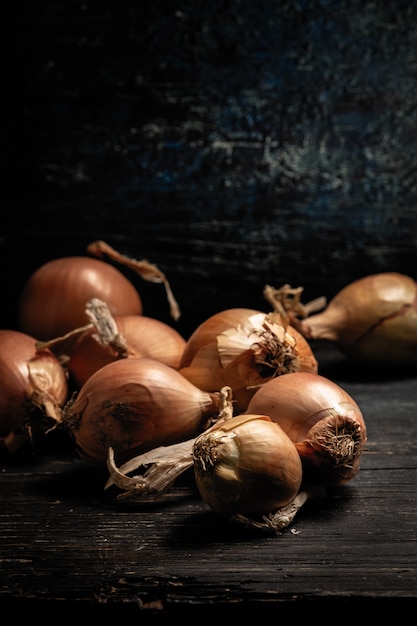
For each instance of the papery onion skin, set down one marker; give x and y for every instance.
(210, 328)
(259, 347)
(145, 337)
(246, 466)
(135, 405)
(373, 320)
(52, 302)
(21, 368)
(322, 419)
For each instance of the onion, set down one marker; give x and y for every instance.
(134, 405)
(242, 349)
(141, 336)
(52, 302)
(211, 328)
(373, 320)
(108, 338)
(321, 418)
(246, 466)
(33, 390)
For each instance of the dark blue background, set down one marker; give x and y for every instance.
(231, 143)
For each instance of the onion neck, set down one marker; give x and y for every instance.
(326, 325)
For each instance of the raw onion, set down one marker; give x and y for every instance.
(34, 389)
(135, 405)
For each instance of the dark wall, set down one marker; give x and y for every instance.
(231, 143)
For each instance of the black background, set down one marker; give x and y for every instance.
(233, 144)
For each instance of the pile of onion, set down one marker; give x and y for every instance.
(247, 469)
(242, 349)
(109, 338)
(132, 406)
(52, 302)
(372, 320)
(34, 389)
(321, 418)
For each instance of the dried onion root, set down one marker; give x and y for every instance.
(322, 419)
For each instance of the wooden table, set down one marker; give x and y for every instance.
(68, 548)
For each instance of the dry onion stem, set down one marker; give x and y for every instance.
(243, 351)
(372, 320)
(52, 302)
(147, 271)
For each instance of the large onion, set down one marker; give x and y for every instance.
(247, 466)
(242, 349)
(373, 320)
(134, 405)
(33, 389)
(321, 418)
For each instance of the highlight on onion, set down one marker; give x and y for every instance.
(321, 418)
(134, 405)
(242, 349)
(52, 302)
(33, 390)
(372, 320)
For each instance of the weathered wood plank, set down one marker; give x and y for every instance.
(66, 540)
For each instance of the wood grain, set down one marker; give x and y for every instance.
(69, 546)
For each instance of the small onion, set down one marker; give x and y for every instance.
(128, 336)
(52, 302)
(34, 389)
(321, 418)
(243, 349)
(135, 405)
(372, 320)
(246, 466)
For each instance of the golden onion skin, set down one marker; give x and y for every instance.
(52, 302)
(135, 405)
(30, 380)
(246, 466)
(144, 337)
(322, 419)
(373, 320)
(256, 348)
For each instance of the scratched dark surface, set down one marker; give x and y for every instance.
(231, 143)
